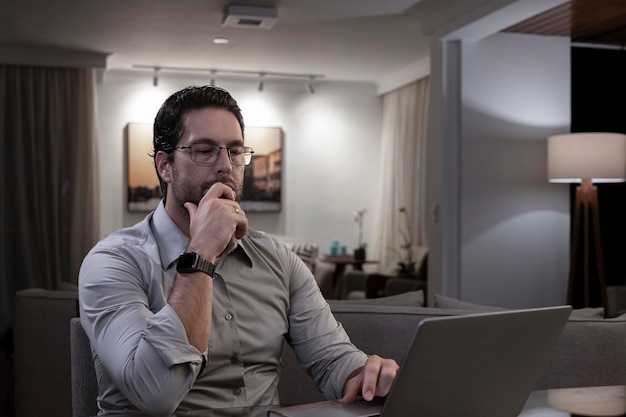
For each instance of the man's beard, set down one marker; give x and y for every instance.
(185, 191)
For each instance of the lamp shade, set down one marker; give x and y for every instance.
(600, 157)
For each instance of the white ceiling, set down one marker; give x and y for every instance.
(359, 40)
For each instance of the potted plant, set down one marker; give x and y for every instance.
(406, 264)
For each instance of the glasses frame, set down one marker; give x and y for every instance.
(246, 150)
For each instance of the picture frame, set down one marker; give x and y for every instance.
(262, 186)
(142, 184)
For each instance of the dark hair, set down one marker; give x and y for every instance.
(168, 123)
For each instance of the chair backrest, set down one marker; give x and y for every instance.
(84, 383)
(42, 354)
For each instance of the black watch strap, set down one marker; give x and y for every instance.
(192, 262)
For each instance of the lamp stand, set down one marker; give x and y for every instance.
(586, 205)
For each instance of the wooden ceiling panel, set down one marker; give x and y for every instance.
(584, 21)
(554, 22)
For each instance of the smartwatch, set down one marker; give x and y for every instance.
(192, 262)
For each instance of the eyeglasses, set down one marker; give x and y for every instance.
(207, 154)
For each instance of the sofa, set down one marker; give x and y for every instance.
(591, 350)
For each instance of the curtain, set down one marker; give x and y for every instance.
(48, 182)
(402, 227)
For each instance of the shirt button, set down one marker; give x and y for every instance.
(237, 391)
(234, 359)
(228, 316)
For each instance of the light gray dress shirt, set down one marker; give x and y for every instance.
(262, 294)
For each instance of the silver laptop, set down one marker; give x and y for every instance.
(476, 365)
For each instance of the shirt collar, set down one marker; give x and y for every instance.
(171, 241)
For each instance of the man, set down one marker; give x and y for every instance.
(205, 329)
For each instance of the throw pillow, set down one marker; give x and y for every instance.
(409, 298)
(441, 301)
(307, 252)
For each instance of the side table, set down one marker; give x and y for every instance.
(340, 263)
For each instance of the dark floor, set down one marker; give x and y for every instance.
(6, 376)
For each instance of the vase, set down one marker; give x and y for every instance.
(359, 254)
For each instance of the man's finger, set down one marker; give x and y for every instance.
(370, 377)
(220, 190)
(191, 208)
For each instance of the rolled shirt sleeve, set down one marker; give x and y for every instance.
(140, 343)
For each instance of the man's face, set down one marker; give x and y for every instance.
(190, 181)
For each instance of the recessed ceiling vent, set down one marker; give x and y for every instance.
(250, 17)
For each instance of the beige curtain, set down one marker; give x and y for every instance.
(405, 112)
(49, 185)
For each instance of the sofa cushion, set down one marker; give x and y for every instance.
(409, 298)
(442, 301)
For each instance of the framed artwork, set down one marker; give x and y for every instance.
(262, 187)
(143, 189)
(262, 183)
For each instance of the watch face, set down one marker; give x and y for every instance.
(186, 262)
(192, 262)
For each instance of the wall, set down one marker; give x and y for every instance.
(449, 24)
(514, 224)
(331, 150)
(498, 236)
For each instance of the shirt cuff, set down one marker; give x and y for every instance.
(166, 334)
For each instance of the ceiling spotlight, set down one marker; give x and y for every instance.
(309, 85)
(261, 76)
(155, 77)
(220, 41)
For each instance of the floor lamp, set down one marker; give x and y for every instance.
(586, 158)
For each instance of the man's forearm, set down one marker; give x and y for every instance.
(191, 298)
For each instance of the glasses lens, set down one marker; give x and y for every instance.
(204, 153)
(240, 155)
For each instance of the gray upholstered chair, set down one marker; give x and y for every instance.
(42, 352)
(615, 300)
(323, 273)
(84, 383)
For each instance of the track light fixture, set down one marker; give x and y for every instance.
(261, 76)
